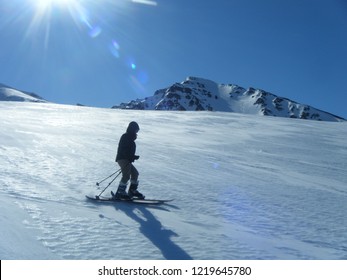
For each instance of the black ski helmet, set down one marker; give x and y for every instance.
(133, 127)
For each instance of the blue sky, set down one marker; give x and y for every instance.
(104, 52)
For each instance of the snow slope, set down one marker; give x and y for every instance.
(245, 187)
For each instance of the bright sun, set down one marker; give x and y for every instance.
(44, 10)
(44, 4)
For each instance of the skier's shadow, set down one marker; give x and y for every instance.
(152, 228)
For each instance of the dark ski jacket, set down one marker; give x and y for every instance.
(127, 146)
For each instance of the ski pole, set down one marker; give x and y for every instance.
(98, 196)
(98, 183)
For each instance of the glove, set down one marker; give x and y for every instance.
(136, 157)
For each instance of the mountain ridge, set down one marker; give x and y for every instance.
(11, 94)
(199, 94)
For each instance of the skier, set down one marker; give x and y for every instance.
(125, 158)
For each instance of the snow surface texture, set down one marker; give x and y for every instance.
(245, 187)
(197, 94)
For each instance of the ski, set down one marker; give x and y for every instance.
(133, 200)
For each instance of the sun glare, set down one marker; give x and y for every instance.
(45, 6)
(42, 4)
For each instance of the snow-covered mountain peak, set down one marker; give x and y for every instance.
(10, 94)
(199, 94)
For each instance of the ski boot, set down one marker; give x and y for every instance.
(133, 192)
(121, 193)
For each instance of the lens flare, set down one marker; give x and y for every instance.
(89, 18)
(136, 85)
(146, 2)
(95, 31)
(114, 49)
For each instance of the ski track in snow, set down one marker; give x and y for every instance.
(244, 187)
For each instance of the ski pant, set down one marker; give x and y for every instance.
(128, 171)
